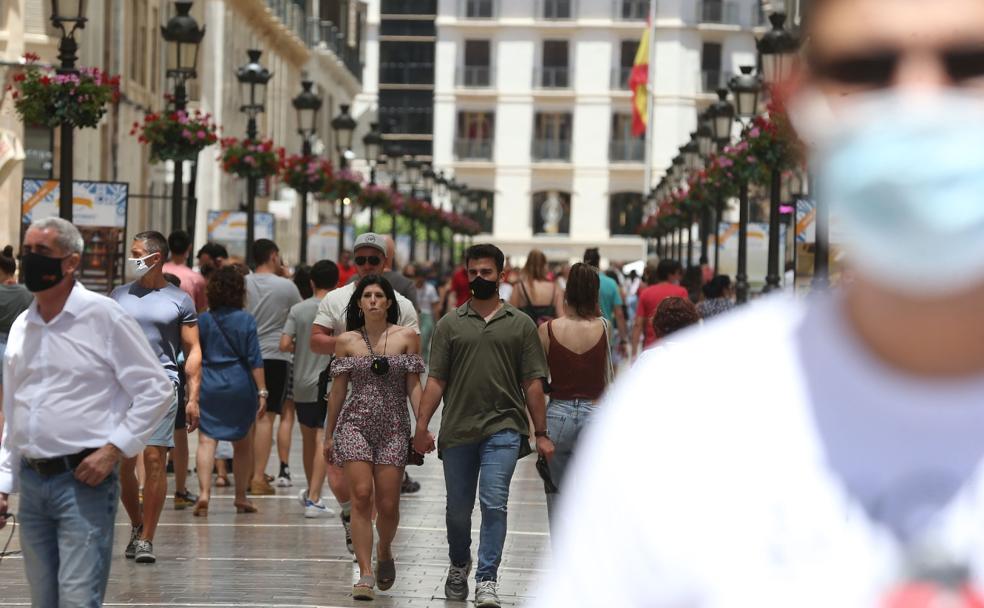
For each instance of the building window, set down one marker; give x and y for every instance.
(475, 136)
(722, 12)
(406, 63)
(477, 9)
(556, 9)
(481, 208)
(407, 112)
(626, 59)
(633, 9)
(555, 68)
(408, 7)
(711, 75)
(138, 39)
(552, 136)
(625, 210)
(624, 146)
(551, 212)
(477, 71)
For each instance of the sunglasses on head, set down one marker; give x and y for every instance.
(374, 260)
(878, 68)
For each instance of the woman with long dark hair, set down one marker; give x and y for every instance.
(369, 435)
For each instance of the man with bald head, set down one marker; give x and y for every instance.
(836, 459)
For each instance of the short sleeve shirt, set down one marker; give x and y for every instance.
(192, 283)
(268, 299)
(307, 364)
(426, 298)
(161, 313)
(331, 311)
(484, 365)
(649, 300)
(609, 296)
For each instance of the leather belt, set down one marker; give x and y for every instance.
(47, 467)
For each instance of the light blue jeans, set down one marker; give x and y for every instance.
(565, 419)
(488, 467)
(66, 533)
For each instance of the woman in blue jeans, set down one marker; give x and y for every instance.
(578, 357)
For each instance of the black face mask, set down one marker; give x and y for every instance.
(40, 271)
(483, 289)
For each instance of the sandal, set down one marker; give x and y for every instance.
(385, 573)
(363, 589)
(201, 509)
(245, 507)
(222, 481)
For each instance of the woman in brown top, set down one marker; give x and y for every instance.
(535, 294)
(578, 358)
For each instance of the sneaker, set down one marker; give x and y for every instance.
(409, 486)
(262, 488)
(283, 481)
(456, 587)
(314, 510)
(131, 547)
(486, 596)
(145, 552)
(302, 497)
(183, 500)
(347, 524)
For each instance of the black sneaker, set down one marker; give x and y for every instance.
(347, 525)
(409, 486)
(131, 547)
(145, 552)
(456, 587)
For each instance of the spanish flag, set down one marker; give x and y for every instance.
(638, 81)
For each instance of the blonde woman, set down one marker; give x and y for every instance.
(534, 293)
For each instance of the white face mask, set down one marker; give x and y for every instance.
(139, 266)
(903, 172)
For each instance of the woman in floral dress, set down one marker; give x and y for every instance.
(369, 436)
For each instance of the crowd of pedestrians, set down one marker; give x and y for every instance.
(359, 355)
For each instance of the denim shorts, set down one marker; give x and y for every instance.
(163, 435)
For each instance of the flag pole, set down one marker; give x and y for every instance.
(650, 99)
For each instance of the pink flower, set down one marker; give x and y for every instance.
(201, 135)
(186, 134)
(249, 160)
(754, 132)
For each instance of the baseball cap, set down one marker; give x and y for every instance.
(371, 239)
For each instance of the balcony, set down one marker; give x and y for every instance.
(556, 10)
(474, 76)
(406, 73)
(473, 149)
(478, 9)
(555, 77)
(719, 12)
(630, 10)
(325, 36)
(627, 150)
(712, 80)
(409, 7)
(620, 78)
(552, 150)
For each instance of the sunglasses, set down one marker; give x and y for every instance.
(878, 68)
(371, 259)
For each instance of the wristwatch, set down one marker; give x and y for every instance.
(263, 393)
(539, 434)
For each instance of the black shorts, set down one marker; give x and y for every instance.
(179, 420)
(276, 373)
(312, 414)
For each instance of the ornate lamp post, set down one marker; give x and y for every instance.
(344, 126)
(183, 37)
(428, 175)
(412, 167)
(721, 116)
(307, 105)
(691, 161)
(746, 88)
(67, 16)
(253, 79)
(372, 142)
(394, 161)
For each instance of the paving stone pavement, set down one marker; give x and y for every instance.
(276, 558)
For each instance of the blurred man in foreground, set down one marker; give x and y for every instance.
(835, 459)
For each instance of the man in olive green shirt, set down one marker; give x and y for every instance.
(487, 363)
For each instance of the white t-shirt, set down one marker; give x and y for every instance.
(768, 459)
(331, 311)
(426, 297)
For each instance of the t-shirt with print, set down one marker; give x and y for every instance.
(609, 297)
(161, 313)
(308, 365)
(268, 299)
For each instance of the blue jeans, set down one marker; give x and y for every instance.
(565, 419)
(66, 533)
(487, 466)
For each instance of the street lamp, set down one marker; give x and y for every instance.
(372, 142)
(394, 156)
(343, 126)
(183, 37)
(412, 167)
(65, 13)
(746, 87)
(705, 134)
(253, 79)
(307, 105)
(777, 49)
(721, 116)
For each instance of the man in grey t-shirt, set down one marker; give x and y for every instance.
(308, 365)
(269, 298)
(168, 318)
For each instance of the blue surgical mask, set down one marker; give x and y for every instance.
(903, 173)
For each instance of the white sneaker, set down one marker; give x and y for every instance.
(486, 596)
(302, 497)
(283, 481)
(314, 510)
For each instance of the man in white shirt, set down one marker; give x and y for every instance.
(822, 453)
(329, 323)
(82, 389)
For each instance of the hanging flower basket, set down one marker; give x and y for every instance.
(250, 158)
(45, 98)
(306, 173)
(417, 209)
(348, 184)
(379, 199)
(176, 135)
